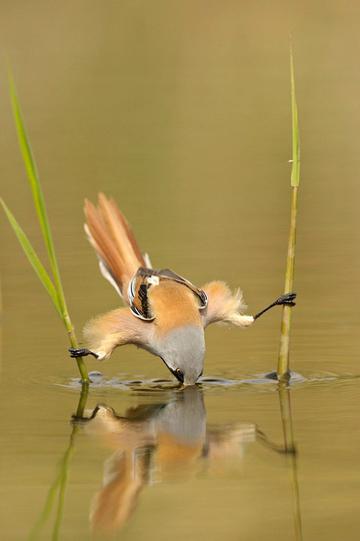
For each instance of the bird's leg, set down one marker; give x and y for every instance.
(81, 353)
(287, 299)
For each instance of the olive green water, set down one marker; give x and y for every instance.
(180, 110)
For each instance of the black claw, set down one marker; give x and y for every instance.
(75, 352)
(80, 352)
(287, 299)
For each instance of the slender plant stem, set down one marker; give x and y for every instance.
(82, 401)
(85, 380)
(283, 364)
(283, 370)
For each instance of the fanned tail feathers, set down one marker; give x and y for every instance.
(113, 240)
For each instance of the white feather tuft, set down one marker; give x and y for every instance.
(147, 261)
(108, 276)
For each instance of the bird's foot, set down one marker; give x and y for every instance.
(82, 352)
(284, 300)
(287, 299)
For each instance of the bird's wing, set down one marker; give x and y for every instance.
(224, 306)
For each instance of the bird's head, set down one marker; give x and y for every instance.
(183, 352)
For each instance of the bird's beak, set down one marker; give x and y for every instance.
(179, 376)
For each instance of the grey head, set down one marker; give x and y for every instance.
(183, 352)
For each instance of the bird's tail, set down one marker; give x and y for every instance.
(113, 240)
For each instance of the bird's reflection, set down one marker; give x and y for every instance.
(153, 442)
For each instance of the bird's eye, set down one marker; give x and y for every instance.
(179, 374)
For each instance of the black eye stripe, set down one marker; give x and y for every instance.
(144, 300)
(204, 299)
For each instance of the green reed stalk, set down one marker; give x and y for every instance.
(52, 285)
(283, 362)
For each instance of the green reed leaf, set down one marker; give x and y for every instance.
(36, 190)
(40, 208)
(32, 257)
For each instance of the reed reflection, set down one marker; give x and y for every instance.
(151, 444)
(292, 455)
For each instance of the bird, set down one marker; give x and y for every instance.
(164, 313)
